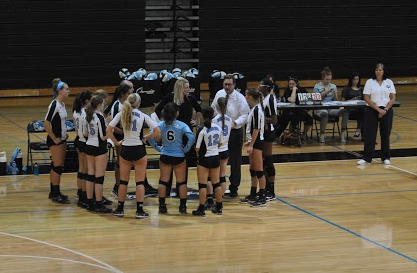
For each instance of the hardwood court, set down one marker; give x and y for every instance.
(329, 216)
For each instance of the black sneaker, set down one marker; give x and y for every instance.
(59, 199)
(233, 194)
(218, 211)
(102, 209)
(261, 202)
(106, 201)
(131, 195)
(150, 191)
(208, 205)
(163, 209)
(270, 197)
(199, 213)
(248, 199)
(141, 214)
(119, 213)
(60, 194)
(91, 207)
(182, 209)
(82, 204)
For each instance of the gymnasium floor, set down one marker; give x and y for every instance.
(330, 216)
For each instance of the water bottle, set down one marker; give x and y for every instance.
(14, 168)
(36, 169)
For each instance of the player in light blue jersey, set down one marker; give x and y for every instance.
(173, 155)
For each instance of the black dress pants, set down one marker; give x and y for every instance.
(235, 158)
(371, 126)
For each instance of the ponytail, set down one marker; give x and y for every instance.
(132, 102)
(221, 108)
(95, 102)
(80, 100)
(169, 113)
(208, 113)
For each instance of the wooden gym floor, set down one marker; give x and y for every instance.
(329, 216)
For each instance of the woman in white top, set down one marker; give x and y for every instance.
(379, 95)
(225, 122)
(78, 116)
(209, 139)
(133, 151)
(57, 138)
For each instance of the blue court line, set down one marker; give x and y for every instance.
(347, 230)
(346, 194)
(406, 118)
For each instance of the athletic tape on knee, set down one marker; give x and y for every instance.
(259, 174)
(123, 182)
(252, 173)
(202, 186)
(222, 179)
(140, 183)
(99, 180)
(179, 184)
(80, 175)
(269, 166)
(163, 183)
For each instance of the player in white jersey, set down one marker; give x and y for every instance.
(209, 139)
(96, 150)
(133, 151)
(78, 116)
(56, 140)
(255, 134)
(224, 122)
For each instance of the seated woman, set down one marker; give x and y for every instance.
(328, 92)
(354, 91)
(290, 95)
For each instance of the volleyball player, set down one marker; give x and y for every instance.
(225, 122)
(255, 139)
(96, 150)
(133, 151)
(78, 116)
(57, 138)
(172, 156)
(209, 139)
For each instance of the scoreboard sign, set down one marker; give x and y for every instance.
(309, 98)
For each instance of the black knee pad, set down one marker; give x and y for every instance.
(179, 184)
(123, 182)
(91, 178)
(259, 174)
(252, 173)
(216, 186)
(99, 180)
(269, 166)
(57, 169)
(222, 179)
(138, 183)
(202, 186)
(163, 183)
(80, 175)
(85, 176)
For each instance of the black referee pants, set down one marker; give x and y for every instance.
(371, 126)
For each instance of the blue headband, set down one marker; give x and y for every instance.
(59, 86)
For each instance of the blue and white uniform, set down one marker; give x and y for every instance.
(80, 127)
(208, 141)
(96, 130)
(133, 147)
(224, 149)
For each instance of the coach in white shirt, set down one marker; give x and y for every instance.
(379, 95)
(238, 110)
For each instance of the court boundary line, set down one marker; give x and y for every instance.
(56, 259)
(63, 248)
(346, 230)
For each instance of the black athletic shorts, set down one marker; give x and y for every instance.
(259, 144)
(210, 162)
(50, 142)
(269, 136)
(133, 153)
(224, 154)
(80, 146)
(95, 151)
(171, 160)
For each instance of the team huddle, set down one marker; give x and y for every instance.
(170, 133)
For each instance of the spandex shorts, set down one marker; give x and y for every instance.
(133, 153)
(171, 160)
(209, 162)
